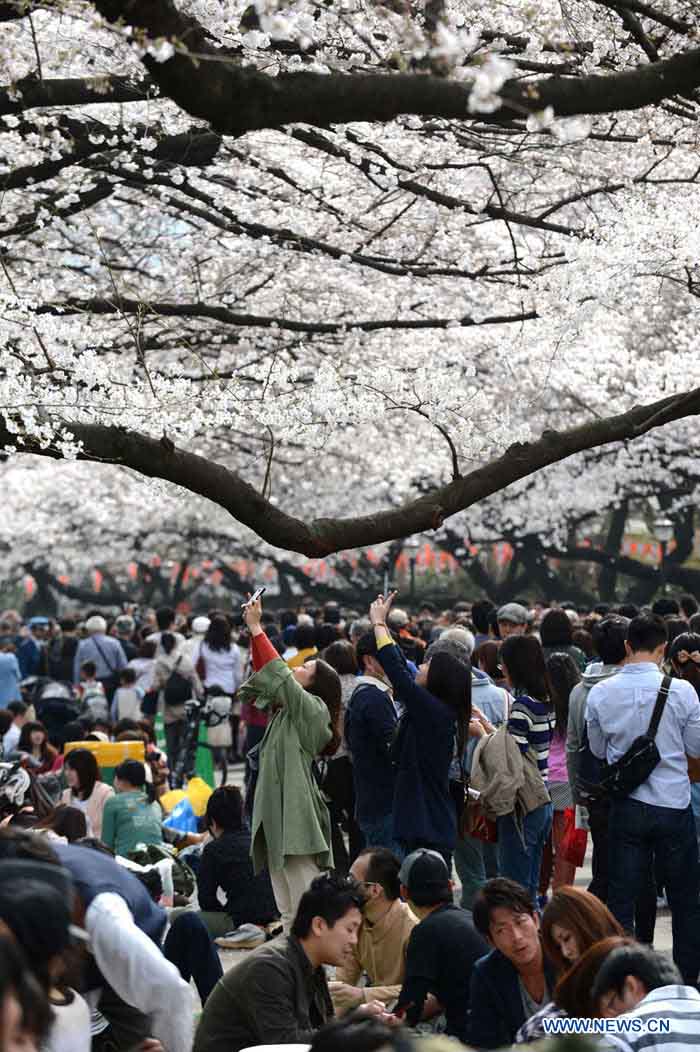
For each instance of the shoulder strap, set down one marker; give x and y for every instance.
(104, 657)
(506, 705)
(659, 706)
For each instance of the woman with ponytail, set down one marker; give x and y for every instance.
(131, 817)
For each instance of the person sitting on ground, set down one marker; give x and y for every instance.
(226, 866)
(133, 989)
(70, 823)
(571, 923)
(86, 790)
(38, 915)
(131, 816)
(126, 703)
(387, 924)
(443, 947)
(515, 980)
(279, 993)
(25, 1013)
(34, 740)
(635, 982)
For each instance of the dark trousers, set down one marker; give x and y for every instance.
(645, 904)
(637, 832)
(339, 787)
(189, 947)
(127, 1026)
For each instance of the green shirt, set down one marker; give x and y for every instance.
(129, 820)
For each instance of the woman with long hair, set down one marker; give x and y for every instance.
(290, 827)
(684, 657)
(131, 816)
(34, 740)
(435, 723)
(86, 790)
(563, 677)
(531, 724)
(218, 663)
(338, 782)
(556, 635)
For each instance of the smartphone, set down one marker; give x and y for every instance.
(254, 597)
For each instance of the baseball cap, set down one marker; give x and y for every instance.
(125, 623)
(514, 613)
(424, 871)
(38, 622)
(200, 625)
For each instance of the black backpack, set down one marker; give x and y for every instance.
(177, 689)
(617, 780)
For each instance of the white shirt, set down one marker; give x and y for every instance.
(138, 972)
(619, 709)
(11, 739)
(677, 1005)
(222, 668)
(70, 1029)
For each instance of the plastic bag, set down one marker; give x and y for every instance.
(574, 841)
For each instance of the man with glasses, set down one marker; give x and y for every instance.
(387, 923)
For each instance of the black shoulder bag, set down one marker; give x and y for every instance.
(621, 778)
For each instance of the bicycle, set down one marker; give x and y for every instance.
(213, 712)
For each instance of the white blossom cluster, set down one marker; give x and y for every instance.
(360, 305)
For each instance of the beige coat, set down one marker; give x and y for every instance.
(94, 805)
(381, 952)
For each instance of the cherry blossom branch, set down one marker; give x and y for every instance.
(156, 459)
(237, 99)
(229, 317)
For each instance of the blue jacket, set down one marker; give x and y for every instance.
(370, 719)
(423, 808)
(496, 1010)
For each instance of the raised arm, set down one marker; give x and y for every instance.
(418, 701)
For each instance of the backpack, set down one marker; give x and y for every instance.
(177, 689)
(95, 702)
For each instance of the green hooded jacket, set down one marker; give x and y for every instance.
(290, 816)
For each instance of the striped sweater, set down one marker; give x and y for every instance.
(677, 1006)
(531, 724)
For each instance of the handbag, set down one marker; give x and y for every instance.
(476, 824)
(621, 778)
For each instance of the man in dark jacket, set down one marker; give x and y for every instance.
(514, 980)
(442, 949)
(370, 721)
(279, 993)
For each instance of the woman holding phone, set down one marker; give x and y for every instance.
(290, 828)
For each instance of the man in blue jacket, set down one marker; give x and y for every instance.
(370, 721)
(514, 980)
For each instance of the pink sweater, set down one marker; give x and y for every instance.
(557, 758)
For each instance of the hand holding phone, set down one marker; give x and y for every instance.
(257, 594)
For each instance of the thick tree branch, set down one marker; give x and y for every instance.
(30, 93)
(235, 99)
(150, 457)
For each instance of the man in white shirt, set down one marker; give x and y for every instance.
(657, 815)
(13, 733)
(642, 989)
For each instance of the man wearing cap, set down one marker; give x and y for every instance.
(512, 620)
(104, 651)
(199, 628)
(124, 628)
(442, 949)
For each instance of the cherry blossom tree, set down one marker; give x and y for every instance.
(355, 271)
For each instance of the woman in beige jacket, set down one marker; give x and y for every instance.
(86, 790)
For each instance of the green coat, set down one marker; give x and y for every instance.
(290, 816)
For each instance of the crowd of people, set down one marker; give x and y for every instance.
(388, 757)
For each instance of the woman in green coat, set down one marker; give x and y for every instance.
(290, 828)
